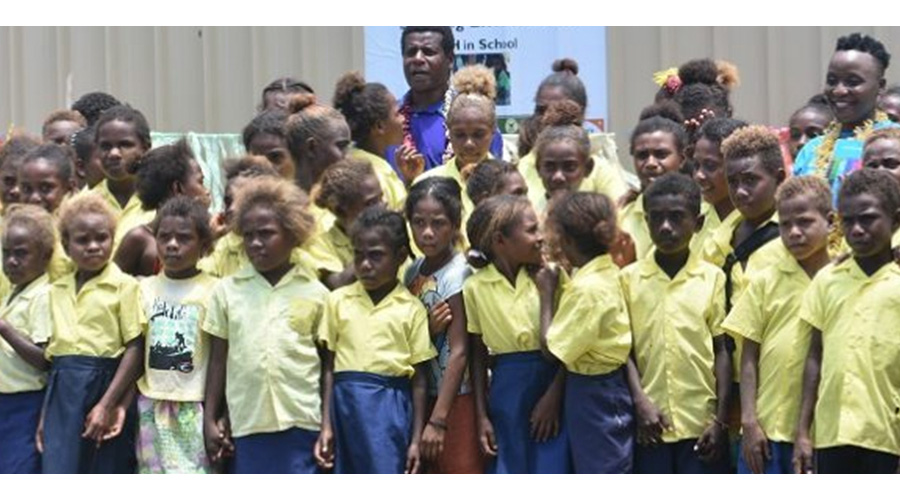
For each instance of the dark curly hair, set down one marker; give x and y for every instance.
(701, 89)
(93, 104)
(286, 85)
(127, 114)
(660, 124)
(267, 122)
(867, 44)
(159, 170)
(448, 41)
(674, 183)
(190, 209)
(718, 129)
(60, 157)
(390, 224)
(487, 179)
(362, 104)
(876, 182)
(565, 77)
(664, 109)
(444, 190)
(589, 219)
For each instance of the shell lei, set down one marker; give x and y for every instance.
(406, 111)
(825, 151)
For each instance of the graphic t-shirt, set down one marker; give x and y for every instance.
(176, 351)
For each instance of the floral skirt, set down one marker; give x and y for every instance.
(170, 437)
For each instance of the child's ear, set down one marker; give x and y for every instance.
(311, 145)
(588, 166)
(403, 254)
(65, 244)
(177, 188)
(781, 175)
(701, 219)
(830, 219)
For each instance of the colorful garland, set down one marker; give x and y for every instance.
(407, 112)
(825, 151)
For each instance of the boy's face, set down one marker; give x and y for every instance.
(751, 187)
(806, 125)
(178, 244)
(883, 153)
(23, 259)
(655, 154)
(671, 222)
(867, 226)
(267, 244)
(374, 262)
(41, 185)
(90, 241)
(118, 146)
(804, 229)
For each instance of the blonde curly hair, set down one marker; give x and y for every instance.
(288, 202)
(37, 221)
(755, 140)
(476, 88)
(81, 204)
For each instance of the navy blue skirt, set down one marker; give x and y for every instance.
(19, 416)
(75, 385)
(518, 382)
(286, 452)
(372, 420)
(600, 414)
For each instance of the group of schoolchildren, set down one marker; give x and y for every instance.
(351, 311)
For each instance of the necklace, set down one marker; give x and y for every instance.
(407, 112)
(825, 151)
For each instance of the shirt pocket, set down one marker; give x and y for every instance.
(303, 317)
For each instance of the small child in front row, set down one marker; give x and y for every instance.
(97, 323)
(774, 342)
(519, 419)
(851, 379)
(170, 403)
(376, 333)
(590, 334)
(450, 438)
(28, 241)
(681, 374)
(263, 378)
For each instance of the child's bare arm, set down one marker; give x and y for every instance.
(136, 254)
(545, 415)
(333, 281)
(324, 450)
(754, 446)
(419, 395)
(32, 353)
(724, 370)
(803, 449)
(100, 420)
(479, 385)
(215, 438)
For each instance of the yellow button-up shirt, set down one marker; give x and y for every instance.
(506, 316)
(590, 332)
(331, 251)
(859, 390)
(673, 322)
(393, 188)
(29, 313)
(273, 368)
(631, 220)
(130, 216)
(605, 178)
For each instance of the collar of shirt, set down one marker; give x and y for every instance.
(356, 291)
(431, 109)
(851, 267)
(249, 273)
(595, 265)
(29, 292)
(106, 279)
(649, 268)
(493, 275)
(103, 190)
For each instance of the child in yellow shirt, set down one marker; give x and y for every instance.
(492, 177)
(767, 318)
(589, 333)
(28, 240)
(851, 382)
(88, 420)
(262, 399)
(681, 374)
(376, 334)
(346, 189)
(519, 420)
(882, 150)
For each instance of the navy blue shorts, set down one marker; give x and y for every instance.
(19, 415)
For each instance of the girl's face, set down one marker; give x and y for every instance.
(804, 229)
(751, 187)
(883, 153)
(59, 132)
(41, 185)
(655, 154)
(393, 124)
(432, 229)
(119, 147)
(331, 147)
(369, 195)
(23, 258)
(90, 240)
(178, 246)
(470, 134)
(709, 174)
(9, 183)
(805, 125)
(374, 261)
(852, 85)
(547, 95)
(267, 244)
(524, 244)
(274, 148)
(192, 185)
(562, 167)
(867, 226)
(890, 104)
(514, 184)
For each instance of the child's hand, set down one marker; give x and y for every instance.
(218, 225)
(486, 437)
(710, 442)
(39, 434)
(629, 197)
(545, 416)
(439, 318)
(622, 250)
(547, 279)
(116, 423)
(324, 450)
(652, 422)
(432, 442)
(410, 162)
(413, 460)
(217, 438)
(97, 424)
(755, 448)
(803, 455)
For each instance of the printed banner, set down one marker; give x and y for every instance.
(521, 56)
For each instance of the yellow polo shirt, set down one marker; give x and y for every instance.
(590, 332)
(273, 368)
(673, 322)
(717, 244)
(605, 178)
(176, 355)
(768, 314)
(29, 313)
(506, 316)
(130, 216)
(631, 220)
(711, 222)
(331, 251)
(393, 188)
(99, 319)
(388, 338)
(859, 390)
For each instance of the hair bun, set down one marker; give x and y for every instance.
(702, 71)
(349, 84)
(565, 64)
(476, 79)
(665, 109)
(727, 75)
(300, 102)
(561, 113)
